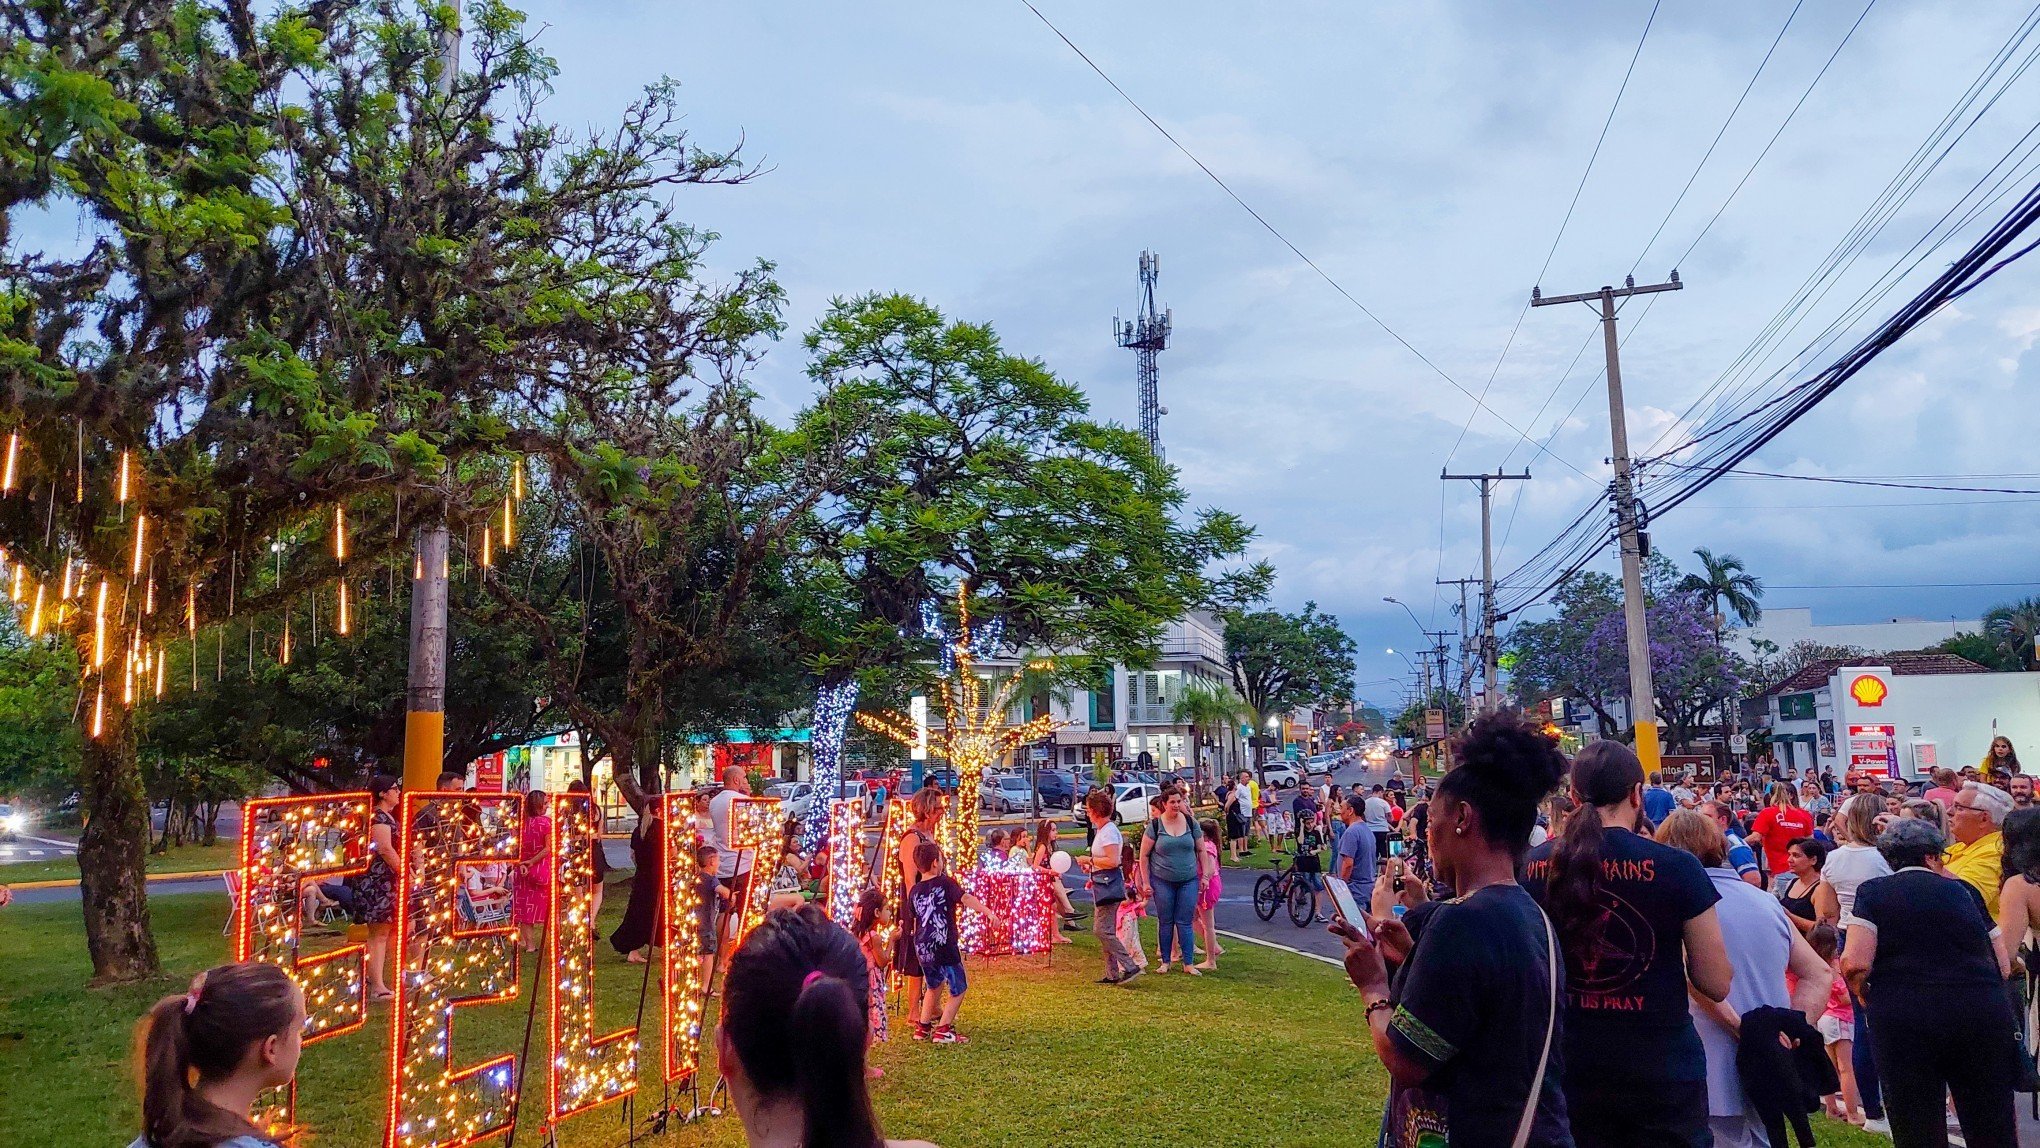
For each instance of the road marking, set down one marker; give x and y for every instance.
(59, 843)
(1276, 945)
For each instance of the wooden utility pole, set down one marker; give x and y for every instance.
(425, 685)
(1642, 704)
(1487, 574)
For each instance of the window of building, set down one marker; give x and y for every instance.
(1105, 702)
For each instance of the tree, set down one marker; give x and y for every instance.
(313, 276)
(1206, 706)
(1806, 652)
(1410, 722)
(1691, 673)
(1555, 657)
(1281, 661)
(39, 740)
(1982, 649)
(1724, 584)
(2016, 627)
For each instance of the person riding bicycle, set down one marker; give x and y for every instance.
(1310, 838)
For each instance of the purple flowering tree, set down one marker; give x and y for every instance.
(1691, 675)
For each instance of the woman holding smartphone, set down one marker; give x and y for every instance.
(1467, 1029)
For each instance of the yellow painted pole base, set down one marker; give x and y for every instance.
(424, 747)
(1647, 750)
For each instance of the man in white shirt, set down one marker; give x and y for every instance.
(1378, 823)
(731, 865)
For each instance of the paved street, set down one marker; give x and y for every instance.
(35, 848)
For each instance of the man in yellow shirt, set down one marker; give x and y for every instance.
(1978, 854)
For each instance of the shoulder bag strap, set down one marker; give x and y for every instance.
(1550, 1029)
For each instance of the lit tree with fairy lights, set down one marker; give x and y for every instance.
(974, 729)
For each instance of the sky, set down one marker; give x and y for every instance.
(1424, 156)
(1429, 158)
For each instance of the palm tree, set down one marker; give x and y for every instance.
(2015, 626)
(1725, 584)
(1203, 705)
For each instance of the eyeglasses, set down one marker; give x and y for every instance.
(1972, 808)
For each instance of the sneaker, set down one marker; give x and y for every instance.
(949, 1036)
(1878, 1124)
(1322, 919)
(921, 1030)
(1108, 980)
(1128, 978)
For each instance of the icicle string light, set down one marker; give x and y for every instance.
(509, 524)
(121, 484)
(141, 544)
(342, 616)
(99, 628)
(35, 618)
(9, 471)
(339, 533)
(444, 965)
(584, 1070)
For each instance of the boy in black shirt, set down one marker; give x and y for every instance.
(933, 901)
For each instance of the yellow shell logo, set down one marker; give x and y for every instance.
(1869, 690)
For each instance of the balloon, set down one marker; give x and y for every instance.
(1059, 860)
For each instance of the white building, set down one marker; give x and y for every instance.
(1785, 626)
(1904, 712)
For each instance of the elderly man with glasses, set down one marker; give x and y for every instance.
(1978, 853)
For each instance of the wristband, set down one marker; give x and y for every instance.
(1377, 1006)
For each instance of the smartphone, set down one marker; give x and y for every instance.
(1345, 908)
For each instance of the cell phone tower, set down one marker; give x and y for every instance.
(1148, 335)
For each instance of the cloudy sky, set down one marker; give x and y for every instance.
(1424, 156)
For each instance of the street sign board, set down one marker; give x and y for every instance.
(1738, 743)
(1434, 724)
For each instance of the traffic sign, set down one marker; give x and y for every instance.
(1434, 724)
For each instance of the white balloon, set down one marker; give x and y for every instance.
(1059, 860)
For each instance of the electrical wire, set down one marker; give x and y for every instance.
(1271, 229)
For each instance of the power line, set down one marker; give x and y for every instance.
(1847, 481)
(1272, 230)
(1898, 585)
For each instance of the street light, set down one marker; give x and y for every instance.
(1411, 613)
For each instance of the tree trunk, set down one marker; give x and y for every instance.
(110, 853)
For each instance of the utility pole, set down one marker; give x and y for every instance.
(1148, 335)
(1487, 574)
(1465, 641)
(1635, 544)
(425, 683)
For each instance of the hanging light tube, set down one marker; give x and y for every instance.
(99, 628)
(8, 472)
(121, 488)
(35, 615)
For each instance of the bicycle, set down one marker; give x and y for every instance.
(1285, 886)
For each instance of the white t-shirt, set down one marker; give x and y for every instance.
(1848, 866)
(1377, 815)
(1684, 796)
(1538, 836)
(729, 862)
(1108, 834)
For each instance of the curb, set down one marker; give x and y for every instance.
(195, 875)
(1230, 935)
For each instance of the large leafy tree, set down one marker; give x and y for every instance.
(969, 464)
(1280, 661)
(315, 270)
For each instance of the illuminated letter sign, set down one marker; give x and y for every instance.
(687, 953)
(286, 842)
(1869, 691)
(584, 1070)
(756, 824)
(442, 964)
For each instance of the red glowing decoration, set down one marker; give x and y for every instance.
(443, 965)
(584, 1070)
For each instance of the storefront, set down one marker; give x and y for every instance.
(1904, 715)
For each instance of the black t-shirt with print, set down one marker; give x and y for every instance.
(1626, 1012)
(1472, 1005)
(934, 902)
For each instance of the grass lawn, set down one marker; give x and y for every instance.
(183, 859)
(1263, 1052)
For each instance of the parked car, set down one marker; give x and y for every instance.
(1144, 777)
(1130, 801)
(11, 822)
(796, 795)
(1281, 775)
(944, 779)
(1005, 793)
(1323, 762)
(1057, 789)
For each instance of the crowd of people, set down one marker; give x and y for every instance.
(1553, 952)
(1602, 958)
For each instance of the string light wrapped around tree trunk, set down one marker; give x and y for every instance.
(833, 707)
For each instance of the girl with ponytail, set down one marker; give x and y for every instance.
(204, 1055)
(1637, 924)
(792, 1037)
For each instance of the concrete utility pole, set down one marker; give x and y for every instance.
(1487, 574)
(1635, 544)
(1465, 641)
(425, 684)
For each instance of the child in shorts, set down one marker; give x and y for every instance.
(934, 901)
(1837, 1027)
(1131, 910)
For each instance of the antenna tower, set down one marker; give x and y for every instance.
(1148, 334)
